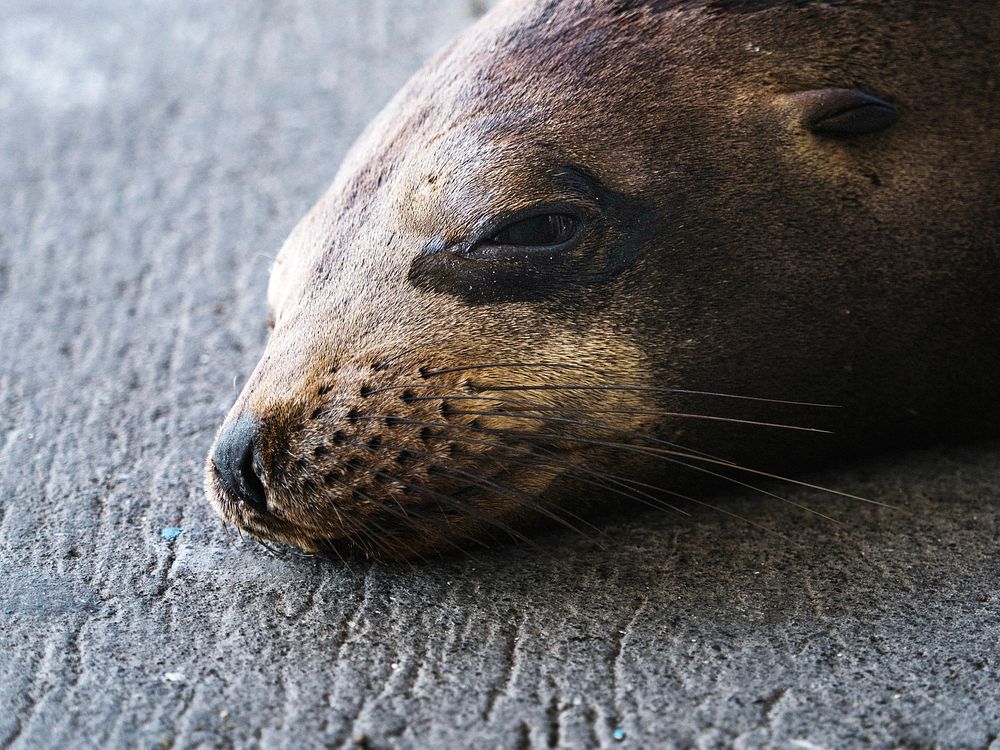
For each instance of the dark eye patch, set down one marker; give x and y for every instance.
(587, 237)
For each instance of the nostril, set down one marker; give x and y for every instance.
(237, 462)
(250, 472)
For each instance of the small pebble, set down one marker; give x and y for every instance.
(170, 533)
(618, 734)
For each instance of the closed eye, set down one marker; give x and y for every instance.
(536, 231)
(545, 232)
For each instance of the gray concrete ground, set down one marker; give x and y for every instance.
(152, 157)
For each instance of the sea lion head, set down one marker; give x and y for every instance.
(573, 235)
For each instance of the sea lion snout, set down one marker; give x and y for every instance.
(361, 447)
(399, 455)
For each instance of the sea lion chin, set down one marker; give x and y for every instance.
(597, 250)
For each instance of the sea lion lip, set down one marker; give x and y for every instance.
(265, 526)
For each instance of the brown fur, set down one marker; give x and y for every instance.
(738, 253)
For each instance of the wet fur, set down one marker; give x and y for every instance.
(734, 252)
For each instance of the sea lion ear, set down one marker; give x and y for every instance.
(838, 113)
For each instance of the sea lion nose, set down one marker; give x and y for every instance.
(237, 462)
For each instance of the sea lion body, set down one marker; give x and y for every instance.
(736, 234)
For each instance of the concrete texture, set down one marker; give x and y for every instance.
(152, 157)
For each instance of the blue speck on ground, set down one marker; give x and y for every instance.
(170, 533)
(618, 734)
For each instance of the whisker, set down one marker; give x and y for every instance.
(363, 539)
(402, 510)
(705, 504)
(511, 365)
(451, 502)
(286, 550)
(662, 453)
(656, 440)
(653, 412)
(660, 504)
(596, 425)
(755, 488)
(737, 516)
(386, 536)
(405, 517)
(406, 420)
(483, 480)
(778, 477)
(380, 539)
(525, 405)
(379, 366)
(272, 551)
(580, 387)
(621, 388)
(656, 389)
(588, 368)
(653, 451)
(343, 560)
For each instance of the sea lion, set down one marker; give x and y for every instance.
(597, 248)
